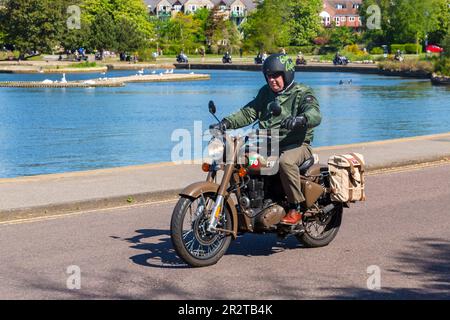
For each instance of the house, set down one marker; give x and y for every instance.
(191, 6)
(343, 13)
(231, 9)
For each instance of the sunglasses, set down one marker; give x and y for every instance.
(274, 75)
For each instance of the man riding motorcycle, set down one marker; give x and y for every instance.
(300, 113)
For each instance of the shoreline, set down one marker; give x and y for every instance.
(53, 67)
(107, 82)
(311, 67)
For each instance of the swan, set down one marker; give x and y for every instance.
(63, 79)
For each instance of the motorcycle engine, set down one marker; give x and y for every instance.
(269, 217)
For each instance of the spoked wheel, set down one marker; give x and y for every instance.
(321, 229)
(189, 231)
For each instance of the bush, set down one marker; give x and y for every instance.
(442, 67)
(327, 50)
(407, 66)
(355, 51)
(412, 48)
(85, 64)
(146, 54)
(409, 48)
(294, 50)
(377, 50)
(395, 47)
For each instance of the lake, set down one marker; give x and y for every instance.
(59, 130)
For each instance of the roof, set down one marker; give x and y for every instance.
(330, 7)
(248, 3)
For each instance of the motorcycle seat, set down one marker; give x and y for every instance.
(306, 165)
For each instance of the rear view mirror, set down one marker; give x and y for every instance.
(212, 107)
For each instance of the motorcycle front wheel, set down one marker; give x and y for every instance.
(191, 240)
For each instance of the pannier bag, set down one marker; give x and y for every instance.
(347, 177)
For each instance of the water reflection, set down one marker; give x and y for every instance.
(58, 130)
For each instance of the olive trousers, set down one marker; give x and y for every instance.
(290, 160)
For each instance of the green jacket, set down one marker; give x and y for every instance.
(298, 100)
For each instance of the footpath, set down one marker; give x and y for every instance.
(55, 194)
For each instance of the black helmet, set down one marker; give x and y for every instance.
(280, 63)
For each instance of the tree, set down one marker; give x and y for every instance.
(443, 24)
(281, 23)
(342, 36)
(407, 21)
(306, 22)
(33, 25)
(132, 13)
(384, 34)
(268, 28)
(103, 35)
(222, 34)
(446, 43)
(128, 36)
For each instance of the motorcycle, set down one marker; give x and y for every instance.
(258, 59)
(300, 61)
(211, 213)
(226, 59)
(182, 58)
(341, 60)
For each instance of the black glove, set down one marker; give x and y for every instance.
(294, 123)
(221, 126)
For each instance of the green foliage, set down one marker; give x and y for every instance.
(282, 23)
(377, 50)
(33, 25)
(407, 21)
(305, 22)
(396, 47)
(129, 37)
(183, 32)
(146, 55)
(266, 28)
(446, 44)
(309, 50)
(83, 65)
(342, 36)
(412, 48)
(222, 34)
(442, 67)
(103, 32)
(117, 25)
(407, 66)
(41, 25)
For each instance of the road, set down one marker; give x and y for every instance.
(402, 231)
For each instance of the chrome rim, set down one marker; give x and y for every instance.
(198, 241)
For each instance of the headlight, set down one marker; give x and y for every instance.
(216, 149)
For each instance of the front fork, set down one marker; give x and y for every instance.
(216, 212)
(217, 209)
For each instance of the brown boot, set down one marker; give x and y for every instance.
(293, 217)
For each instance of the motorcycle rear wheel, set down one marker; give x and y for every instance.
(330, 224)
(191, 241)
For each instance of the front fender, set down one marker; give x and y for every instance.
(196, 189)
